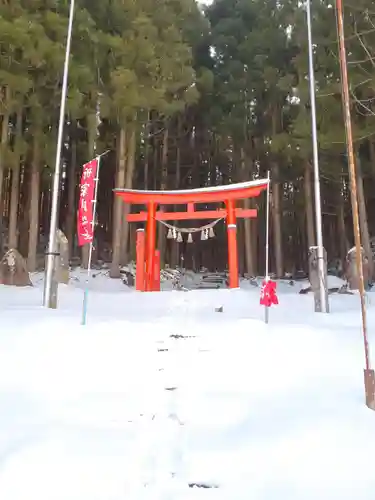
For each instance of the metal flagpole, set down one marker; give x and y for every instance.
(369, 375)
(266, 312)
(52, 250)
(94, 201)
(318, 207)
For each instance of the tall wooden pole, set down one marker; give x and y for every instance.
(369, 376)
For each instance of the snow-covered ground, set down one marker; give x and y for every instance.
(159, 392)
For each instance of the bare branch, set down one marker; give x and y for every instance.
(326, 95)
(360, 103)
(358, 8)
(361, 61)
(362, 83)
(365, 32)
(368, 19)
(363, 44)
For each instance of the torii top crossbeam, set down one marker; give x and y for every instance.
(214, 194)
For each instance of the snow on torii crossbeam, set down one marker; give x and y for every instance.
(148, 259)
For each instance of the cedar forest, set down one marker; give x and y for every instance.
(185, 96)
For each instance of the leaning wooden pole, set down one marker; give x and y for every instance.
(369, 376)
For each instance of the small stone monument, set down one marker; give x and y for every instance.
(351, 269)
(128, 279)
(315, 278)
(13, 269)
(63, 249)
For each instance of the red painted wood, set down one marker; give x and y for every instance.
(232, 245)
(150, 246)
(242, 213)
(194, 195)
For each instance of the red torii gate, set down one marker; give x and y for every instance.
(148, 259)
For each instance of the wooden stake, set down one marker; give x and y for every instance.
(368, 372)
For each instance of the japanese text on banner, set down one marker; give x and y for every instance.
(85, 226)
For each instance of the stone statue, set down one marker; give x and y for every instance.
(13, 269)
(351, 269)
(63, 249)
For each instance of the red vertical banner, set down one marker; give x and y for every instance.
(85, 226)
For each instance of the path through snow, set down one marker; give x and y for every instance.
(159, 392)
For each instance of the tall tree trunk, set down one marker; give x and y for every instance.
(5, 205)
(372, 156)
(118, 206)
(277, 222)
(194, 182)
(14, 198)
(130, 167)
(34, 207)
(163, 187)
(155, 148)
(309, 206)
(147, 153)
(248, 243)
(132, 252)
(24, 219)
(341, 228)
(70, 221)
(365, 235)
(4, 134)
(174, 245)
(46, 203)
(15, 188)
(3, 144)
(277, 195)
(241, 254)
(255, 244)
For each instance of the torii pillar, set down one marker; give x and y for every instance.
(234, 281)
(150, 245)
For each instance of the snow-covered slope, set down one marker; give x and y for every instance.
(161, 397)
